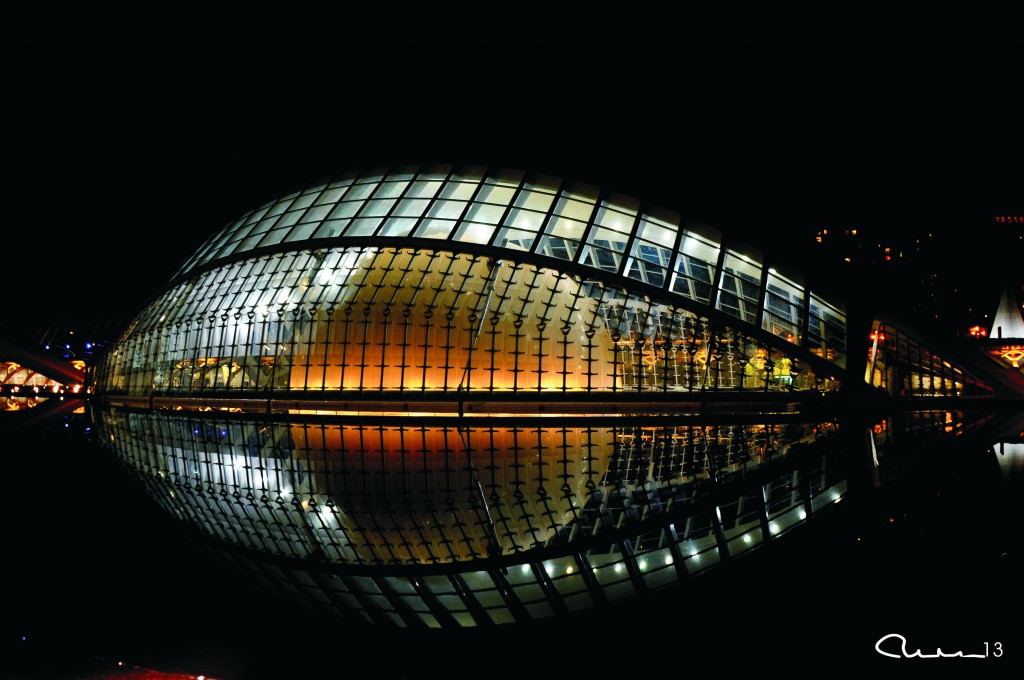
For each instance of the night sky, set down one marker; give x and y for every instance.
(128, 140)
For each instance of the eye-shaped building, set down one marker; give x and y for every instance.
(439, 396)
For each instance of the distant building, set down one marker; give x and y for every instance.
(1008, 322)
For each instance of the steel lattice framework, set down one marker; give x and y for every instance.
(461, 396)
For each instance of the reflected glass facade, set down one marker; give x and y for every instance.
(420, 523)
(457, 396)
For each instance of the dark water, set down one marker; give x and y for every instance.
(92, 569)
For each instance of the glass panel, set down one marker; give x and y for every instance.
(783, 303)
(390, 190)
(535, 200)
(524, 219)
(472, 232)
(462, 191)
(447, 209)
(423, 189)
(377, 208)
(740, 282)
(409, 207)
(488, 214)
(435, 228)
(495, 194)
(515, 239)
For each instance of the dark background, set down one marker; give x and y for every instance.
(129, 139)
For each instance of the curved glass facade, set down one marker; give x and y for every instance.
(437, 396)
(549, 219)
(371, 318)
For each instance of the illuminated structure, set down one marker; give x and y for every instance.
(22, 387)
(1005, 343)
(1008, 322)
(32, 380)
(438, 396)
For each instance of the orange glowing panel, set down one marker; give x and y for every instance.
(1013, 355)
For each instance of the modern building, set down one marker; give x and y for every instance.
(1008, 321)
(438, 396)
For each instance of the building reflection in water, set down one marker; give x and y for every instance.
(504, 520)
(440, 397)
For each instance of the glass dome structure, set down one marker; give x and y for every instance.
(451, 396)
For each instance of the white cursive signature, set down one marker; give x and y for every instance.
(939, 654)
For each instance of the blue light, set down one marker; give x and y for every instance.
(67, 346)
(88, 345)
(47, 347)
